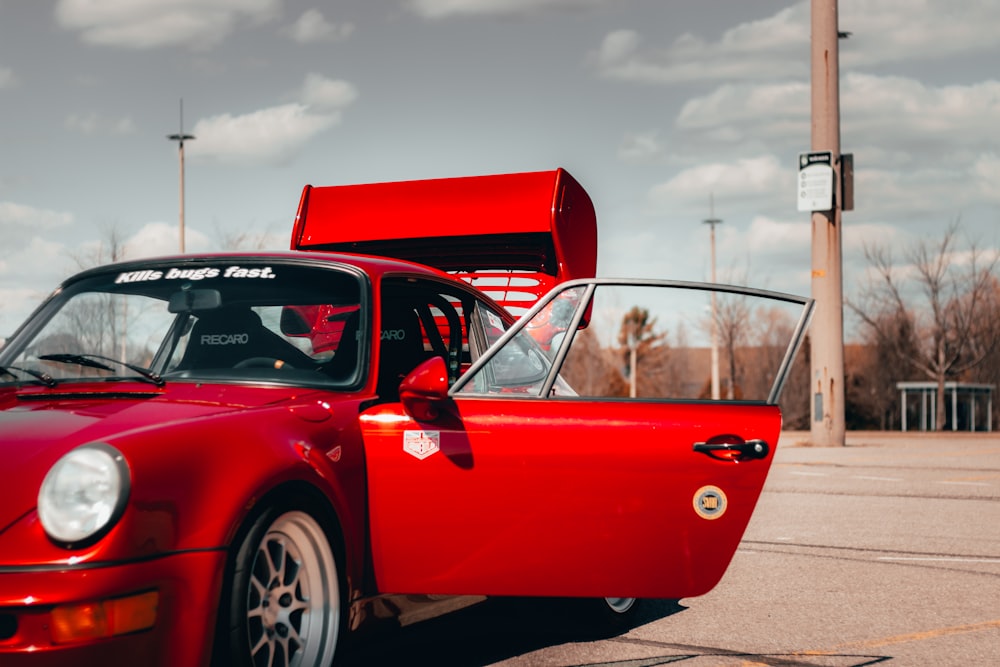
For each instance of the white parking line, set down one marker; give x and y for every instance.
(940, 559)
(878, 479)
(946, 481)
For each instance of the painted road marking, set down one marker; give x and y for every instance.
(948, 481)
(912, 637)
(940, 559)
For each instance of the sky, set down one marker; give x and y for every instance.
(667, 111)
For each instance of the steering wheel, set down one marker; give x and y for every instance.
(263, 362)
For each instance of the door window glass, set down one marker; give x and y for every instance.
(648, 340)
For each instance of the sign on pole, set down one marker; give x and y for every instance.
(816, 181)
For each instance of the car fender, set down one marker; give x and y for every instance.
(193, 485)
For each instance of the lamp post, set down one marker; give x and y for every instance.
(712, 221)
(179, 138)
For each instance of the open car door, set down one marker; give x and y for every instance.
(596, 462)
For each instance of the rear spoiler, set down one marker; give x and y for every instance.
(513, 236)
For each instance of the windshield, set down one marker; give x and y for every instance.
(232, 319)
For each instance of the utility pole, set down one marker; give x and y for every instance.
(179, 138)
(712, 221)
(827, 331)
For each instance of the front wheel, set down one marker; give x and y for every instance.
(284, 598)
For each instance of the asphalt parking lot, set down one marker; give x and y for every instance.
(886, 551)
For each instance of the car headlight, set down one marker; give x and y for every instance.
(84, 494)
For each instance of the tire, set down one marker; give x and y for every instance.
(620, 607)
(600, 618)
(284, 604)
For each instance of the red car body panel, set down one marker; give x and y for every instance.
(541, 225)
(188, 586)
(517, 481)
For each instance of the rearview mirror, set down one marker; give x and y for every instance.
(193, 300)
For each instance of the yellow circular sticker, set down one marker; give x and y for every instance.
(710, 502)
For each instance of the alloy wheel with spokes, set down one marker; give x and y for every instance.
(285, 599)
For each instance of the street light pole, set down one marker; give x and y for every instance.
(827, 332)
(712, 221)
(179, 138)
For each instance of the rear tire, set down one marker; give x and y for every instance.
(620, 606)
(605, 617)
(283, 598)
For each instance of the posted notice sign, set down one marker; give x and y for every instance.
(816, 181)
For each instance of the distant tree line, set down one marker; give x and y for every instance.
(933, 317)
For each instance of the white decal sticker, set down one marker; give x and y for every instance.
(710, 502)
(494, 321)
(138, 276)
(194, 274)
(421, 444)
(191, 274)
(239, 272)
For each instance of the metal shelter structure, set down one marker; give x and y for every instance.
(963, 396)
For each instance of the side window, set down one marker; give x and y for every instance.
(648, 340)
(523, 364)
(486, 327)
(419, 320)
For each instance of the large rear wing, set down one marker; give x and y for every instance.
(513, 236)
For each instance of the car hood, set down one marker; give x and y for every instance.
(39, 426)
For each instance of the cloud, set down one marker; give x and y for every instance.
(642, 148)
(39, 263)
(857, 236)
(268, 136)
(919, 149)
(442, 9)
(150, 24)
(770, 106)
(887, 31)
(7, 78)
(327, 94)
(765, 48)
(778, 47)
(985, 177)
(768, 237)
(907, 115)
(748, 178)
(276, 134)
(160, 238)
(15, 217)
(36, 258)
(93, 124)
(313, 27)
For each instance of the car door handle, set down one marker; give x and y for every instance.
(723, 448)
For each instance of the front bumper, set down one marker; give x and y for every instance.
(187, 589)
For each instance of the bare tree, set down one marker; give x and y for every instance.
(246, 240)
(732, 321)
(101, 322)
(637, 334)
(110, 248)
(943, 334)
(592, 370)
(989, 371)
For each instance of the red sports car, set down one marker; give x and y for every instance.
(240, 458)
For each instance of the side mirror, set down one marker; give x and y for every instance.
(424, 390)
